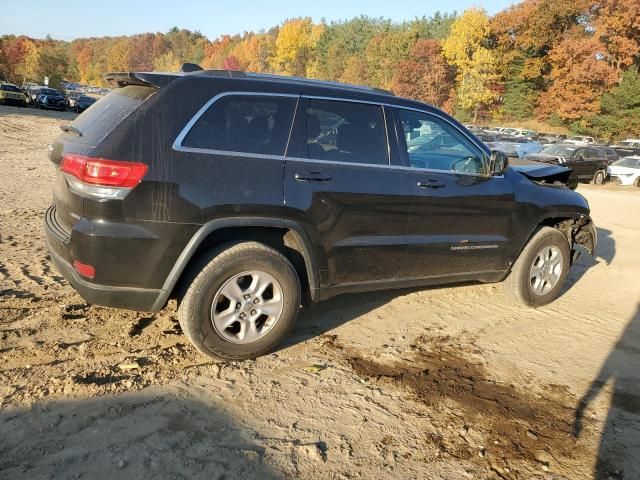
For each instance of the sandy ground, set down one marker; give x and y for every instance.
(439, 383)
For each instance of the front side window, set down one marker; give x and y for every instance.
(346, 132)
(590, 154)
(244, 123)
(434, 144)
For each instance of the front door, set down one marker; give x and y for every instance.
(461, 216)
(340, 186)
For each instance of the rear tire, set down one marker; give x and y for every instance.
(255, 330)
(538, 275)
(637, 182)
(599, 178)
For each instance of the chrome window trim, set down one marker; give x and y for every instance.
(177, 144)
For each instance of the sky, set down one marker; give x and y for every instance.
(71, 19)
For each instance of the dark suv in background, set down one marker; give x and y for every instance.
(245, 196)
(587, 163)
(51, 99)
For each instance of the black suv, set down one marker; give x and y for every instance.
(588, 163)
(246, 196)
(51, 99)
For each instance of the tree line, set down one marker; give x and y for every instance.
(570, 63)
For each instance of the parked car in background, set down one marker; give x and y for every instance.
(83, 102)
(551, 138)
(197, 210)
(626, 171)
(580, 140)
(528, 134)
(630, 146)
(51, 99)
(11, 94)
(515, 149)
(72, 97)
(586, 163)
(487, 136)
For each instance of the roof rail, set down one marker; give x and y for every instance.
(314, 81)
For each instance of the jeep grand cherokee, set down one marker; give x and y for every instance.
(245, 195)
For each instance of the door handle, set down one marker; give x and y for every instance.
(430, 184)
(312, 177)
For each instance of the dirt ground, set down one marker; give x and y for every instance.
(444, 383)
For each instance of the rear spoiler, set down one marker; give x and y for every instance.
(146, 79)
(161, 79)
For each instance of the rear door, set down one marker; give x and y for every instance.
(341, 186)
(461, 217)
(588, 161)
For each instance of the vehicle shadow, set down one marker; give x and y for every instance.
(619, 448)
(324, 316)
(606, 251)
(161, 432)
(35, 112)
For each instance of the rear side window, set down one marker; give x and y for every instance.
(590, 154)
(100, 120)
(346, 132)
(243, 123)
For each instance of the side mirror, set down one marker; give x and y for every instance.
(498, 163)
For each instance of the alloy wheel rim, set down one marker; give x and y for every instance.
(247, 306)
(546, 270)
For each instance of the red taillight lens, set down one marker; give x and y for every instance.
(83, 269)
(100, 171)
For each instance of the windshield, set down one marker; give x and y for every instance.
(49, 91)
(559, 150)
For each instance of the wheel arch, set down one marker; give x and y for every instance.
(567, 223)
(285, 235)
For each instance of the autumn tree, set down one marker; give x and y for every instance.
(425, 75)
(617, 26)
(579, 76)
(167, 62)
(476, 65)
(295, 46)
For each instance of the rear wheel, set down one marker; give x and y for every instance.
(541, 269)
(637, 182)
(242, 300)
(599, 177)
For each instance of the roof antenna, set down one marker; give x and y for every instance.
(190, 67)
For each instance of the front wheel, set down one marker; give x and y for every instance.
(243, 299)
(540, 271)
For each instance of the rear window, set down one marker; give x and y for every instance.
(100, 120)
(244, 123)
(9, 88)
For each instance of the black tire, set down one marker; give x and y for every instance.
(599, 177)
(517, 285)
(637, 182)
(210, 273)
(572, 183)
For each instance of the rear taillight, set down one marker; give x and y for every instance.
(101, 178)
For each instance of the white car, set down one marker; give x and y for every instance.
(580, 140)
(625, 171)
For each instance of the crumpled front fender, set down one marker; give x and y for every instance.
(587, 235)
